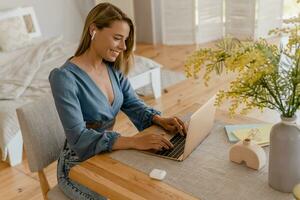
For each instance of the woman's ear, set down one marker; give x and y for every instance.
(92, 31)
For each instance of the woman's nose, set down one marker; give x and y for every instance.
(122, 45)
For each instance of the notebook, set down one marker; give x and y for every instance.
(230, 128)
(259, 133)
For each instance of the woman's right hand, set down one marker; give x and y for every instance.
(148, 141)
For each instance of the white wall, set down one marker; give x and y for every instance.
(156, 8)
(55, 16)
(148, 19)
(144, 21)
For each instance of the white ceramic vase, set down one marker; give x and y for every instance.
(284, 158)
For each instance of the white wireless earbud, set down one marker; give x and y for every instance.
(93, 35)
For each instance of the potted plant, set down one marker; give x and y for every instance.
(267, 76)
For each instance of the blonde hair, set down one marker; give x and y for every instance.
(103, 15)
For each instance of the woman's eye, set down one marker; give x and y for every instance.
(116, 38)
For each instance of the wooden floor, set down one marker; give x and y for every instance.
(19, 183)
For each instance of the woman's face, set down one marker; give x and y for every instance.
(109, 42)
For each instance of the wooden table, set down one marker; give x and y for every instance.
(116, 180)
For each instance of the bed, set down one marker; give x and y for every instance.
(24, 74)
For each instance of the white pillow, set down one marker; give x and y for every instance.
(13, 34)
(4, 14)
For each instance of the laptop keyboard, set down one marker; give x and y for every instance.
(178, 141)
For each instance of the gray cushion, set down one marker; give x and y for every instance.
(56, 194)
(42, 132)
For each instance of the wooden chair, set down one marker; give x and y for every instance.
(43, 137)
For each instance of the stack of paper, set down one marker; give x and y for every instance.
(259, 133)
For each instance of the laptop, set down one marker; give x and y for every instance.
(200, 124)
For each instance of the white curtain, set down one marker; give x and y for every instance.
(178, 21)
(252, 18)
(269, 16)
(210, 20)
(240, 18)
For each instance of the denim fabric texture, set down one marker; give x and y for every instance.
(79, 100)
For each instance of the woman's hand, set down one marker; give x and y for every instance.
(148, 141)
(172, 124)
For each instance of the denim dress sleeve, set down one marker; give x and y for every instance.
(139, 113)
(85, 142)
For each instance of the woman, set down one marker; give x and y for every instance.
(90, 89)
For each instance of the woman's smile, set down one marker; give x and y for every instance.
(115, 53)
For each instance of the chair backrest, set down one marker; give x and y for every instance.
(42, 132)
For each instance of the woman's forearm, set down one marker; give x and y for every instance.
(134, 142)
(156, 120)
(124, 143)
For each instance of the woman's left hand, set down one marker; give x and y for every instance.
(170, 124)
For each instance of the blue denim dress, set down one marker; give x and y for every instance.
(79, 101)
